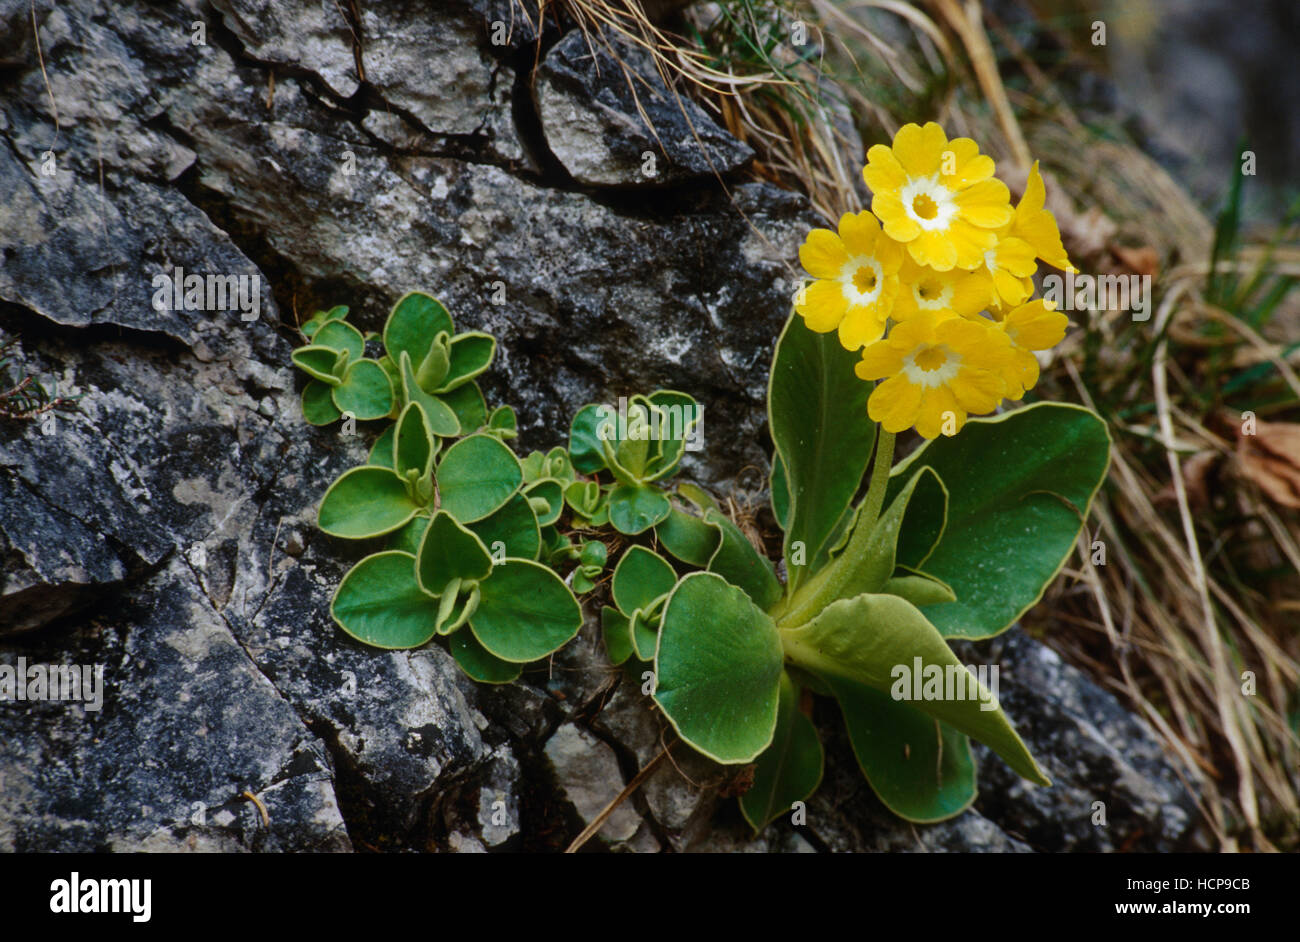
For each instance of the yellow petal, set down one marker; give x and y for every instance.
(1035, 326)
(1022, 375)
(893, 217)
(894, 404)
(862, 325)
(883, 172)
(914, 332)
(890, 254)
(822, 254)
(1010, 288)
(1037, 226)
(1035, 194)
(823, 306)
(859, 232)
(969, 244)
(938, 405)
(986, 204)
(920, 149)
(1040, 231)
(971, 292)
(878, 361)
(935, 249)
(1016, 256)
(969, 166)
(977, 391)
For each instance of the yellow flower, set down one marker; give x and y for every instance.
(936, 372)
(1007, 271)
(946, 293)
(938, 197)
(1036, 226)
(857, 280)
(1030, 327)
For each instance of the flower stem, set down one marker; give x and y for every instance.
(828, 584)
(875, 498)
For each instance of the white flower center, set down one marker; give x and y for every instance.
(932, 365)
(929, 203)
(861, 280)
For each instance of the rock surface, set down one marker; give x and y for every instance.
(164, 529)
(594, 116)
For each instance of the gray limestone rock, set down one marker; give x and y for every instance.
(594, 96)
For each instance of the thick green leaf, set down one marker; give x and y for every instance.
(478, 663)
(533, 465)
(471, 354)
(645, 634)
(504, 423)
(550, 492)
(718, 668)
(617, 630)
(679, 417)
(409, 537)
(627, 457)
(415, 320)
(380, 603)
(920, 767)
(413, 444)
(477, 476)
(318, 363)
(699, 498)
(364, 502)
(449, 551)
(790, 769)
(640, 577)
(688, 537)
(317, 404)
(918, 588)
(467, 402)
(923, 522)
(871, 638)
(511, 530)
(381, 452)
(594, 553)
(583, 496)
(780, 491)
(585, 446)
(1019, 489)
(559, 466)
(817, 412)
(556, 547)
(433, 369)
(313, 323)
(456, 605)
(635, 508)
(525, 612)
(739, 563)
(365, 390)
(339, 335)
(442, 420)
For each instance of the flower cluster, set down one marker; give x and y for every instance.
(946, 260)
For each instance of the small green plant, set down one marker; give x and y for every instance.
(463, 518)
(957, 541)
(636, 447)
(929, 300)
(21, 396)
